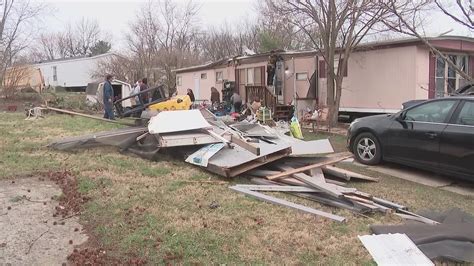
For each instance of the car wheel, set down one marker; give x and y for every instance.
(366, 149)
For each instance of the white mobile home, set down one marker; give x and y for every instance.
(71, 73)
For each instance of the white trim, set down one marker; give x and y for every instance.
(67, 60)
(368, 110)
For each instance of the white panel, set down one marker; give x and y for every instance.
(394, 249)
(175, 121)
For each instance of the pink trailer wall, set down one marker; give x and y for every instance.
(202, 87)
(382, 79)
(302, 65)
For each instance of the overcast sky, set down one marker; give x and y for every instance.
(114, 16)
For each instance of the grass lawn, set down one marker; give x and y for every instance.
(159, 210)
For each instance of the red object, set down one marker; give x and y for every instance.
(11, 108)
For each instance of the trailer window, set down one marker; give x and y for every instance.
(55, 73)
(219, 76)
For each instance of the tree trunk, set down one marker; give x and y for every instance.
(337, 101)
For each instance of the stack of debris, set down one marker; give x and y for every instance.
(307, 180)
(231, 149)
(224, 149)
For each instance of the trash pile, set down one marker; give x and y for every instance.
(277, 162)
(226, 149)
(274, 160)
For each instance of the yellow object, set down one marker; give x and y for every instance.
(295, 128)
(179, 102)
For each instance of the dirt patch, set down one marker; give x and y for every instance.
(31, 232)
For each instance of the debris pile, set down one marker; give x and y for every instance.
(274, 160)
(305, 178)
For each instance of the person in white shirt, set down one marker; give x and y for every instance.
(135, 90)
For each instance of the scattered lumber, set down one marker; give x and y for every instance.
(285, 203)
(333, 160)
(86, 115)
(278, 188)
(345, 174)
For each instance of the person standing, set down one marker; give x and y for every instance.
(108, 98)
(215, 96)
(190, 93)
(135, 90)
(256, 104)
(236, 101)
(144, 97)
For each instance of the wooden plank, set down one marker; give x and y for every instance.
(346, 174)
(218, 137)
(335, 182)
(358, 199)
(88, 116)
(331, 189)
(332, 160)
(278, 188)
(246, 145)
(288, 180)
(416, 218)
(318, 197)
(285, 203)
(317, 173)
(389, 203)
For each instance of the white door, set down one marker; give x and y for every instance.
(196, 87)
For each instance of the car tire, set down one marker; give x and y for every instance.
(366, 149)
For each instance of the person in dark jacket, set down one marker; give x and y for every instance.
(215, 96)
(144, 97)
(191, 95)
(108, 98)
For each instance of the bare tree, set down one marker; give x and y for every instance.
(86, 35)
(277, 32)
(406, 17)
(48, 45)
(464, 14)
(15, 77)
(163, 38)
(335, 28)
(122, 67)
(227, 41)
(80, 39)
(16, 27)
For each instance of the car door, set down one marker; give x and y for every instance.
(414, 136)
(457, 141)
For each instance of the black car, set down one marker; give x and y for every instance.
(435, 135)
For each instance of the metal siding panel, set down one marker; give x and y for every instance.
(394, 249)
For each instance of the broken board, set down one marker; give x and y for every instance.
(201, 157)
(285, 203)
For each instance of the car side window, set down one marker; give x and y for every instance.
(466, 116)
(435, 112)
